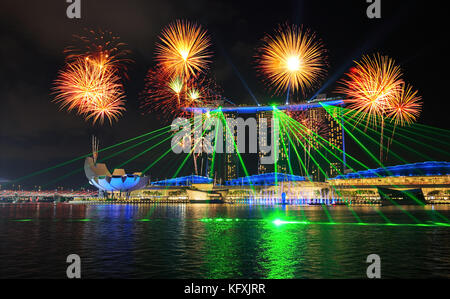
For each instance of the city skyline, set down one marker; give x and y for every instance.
(44, 128)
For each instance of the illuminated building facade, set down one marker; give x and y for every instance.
(316, 113)
(117, 182)
(230, 156)
(432, 178)
(334, 136)
(283, 150)
(427, 182)
(264, 136)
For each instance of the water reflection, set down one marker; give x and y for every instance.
(221, 241)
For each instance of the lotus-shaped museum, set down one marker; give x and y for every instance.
(100, 177)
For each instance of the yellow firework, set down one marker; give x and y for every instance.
(176, 85)
(405, 107)
(183, 49)
(194, 95)
(292, 59)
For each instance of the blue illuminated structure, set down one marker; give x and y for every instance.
(100, 177)
(126, 183)
(430, 168)
(256, 109)
(184, 181)
(266, 179)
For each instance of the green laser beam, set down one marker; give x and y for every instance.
(82, 157)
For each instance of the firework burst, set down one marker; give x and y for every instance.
(183, 49)
(169, 96)
(104, 109)
(91, 89)
(405, 107)
(370, 87)
(292, 59)
(102, 47)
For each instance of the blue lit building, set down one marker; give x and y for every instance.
(266, 179)
(117, 182)
(430, 179)
(184, 181)
(431, 168)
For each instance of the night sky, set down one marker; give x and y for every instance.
(35, 135)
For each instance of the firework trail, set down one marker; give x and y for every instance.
(404, 108)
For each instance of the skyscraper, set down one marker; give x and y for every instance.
(230, 155)
(330, 134)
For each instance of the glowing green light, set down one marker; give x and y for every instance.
(441, 224)
(277, 222)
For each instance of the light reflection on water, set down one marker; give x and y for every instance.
(220, 241)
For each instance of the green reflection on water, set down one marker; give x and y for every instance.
(221, 248)
(281, 252)
(278, 222)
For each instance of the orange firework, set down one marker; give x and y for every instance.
(110, 109)
(292, 59)
(91, 89)
(370, 86)
(101, 46)
(169, 96)
(405, 107)
(183, 49)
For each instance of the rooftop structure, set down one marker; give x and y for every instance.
(260, 108)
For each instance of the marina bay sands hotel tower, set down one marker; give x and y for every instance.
(328, 127)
